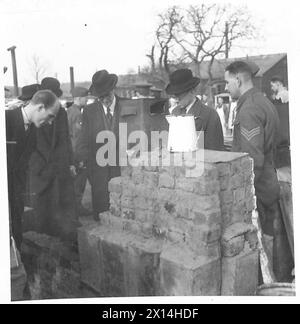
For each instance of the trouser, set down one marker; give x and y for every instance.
(56, 210)
(79, 185)
(18, 279)
(272, 224)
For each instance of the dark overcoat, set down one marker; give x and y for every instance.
(20, 145)
(51, 181)
(93, 122)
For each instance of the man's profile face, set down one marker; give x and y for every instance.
(275, 87)
(83, 101)
(232, 85)
(220, 101)
(44, 116)
(184, 99)
(107, 99)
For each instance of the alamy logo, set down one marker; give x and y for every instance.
(136, 149)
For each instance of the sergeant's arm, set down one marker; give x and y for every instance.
(252, 137)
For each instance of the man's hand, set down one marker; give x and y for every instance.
(73, 170)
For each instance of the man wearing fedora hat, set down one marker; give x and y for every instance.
(75, 123)
(52, 168)
(28, 92)
(102, 115)
(183, 87)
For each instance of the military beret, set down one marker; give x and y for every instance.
(79, 92)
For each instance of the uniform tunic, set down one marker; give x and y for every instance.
(255, 129)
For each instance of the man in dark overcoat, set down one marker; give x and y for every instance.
(183, 87)
(21, 124)
(51, 170)
(102, 115)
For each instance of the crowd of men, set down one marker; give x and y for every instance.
(52, 151)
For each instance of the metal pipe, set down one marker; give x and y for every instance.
(14, 66)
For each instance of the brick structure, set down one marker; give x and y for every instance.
(168, 233)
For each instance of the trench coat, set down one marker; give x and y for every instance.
(93, 122)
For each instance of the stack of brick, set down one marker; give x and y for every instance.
(164, 232)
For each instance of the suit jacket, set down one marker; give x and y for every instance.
(207, 120)
(20, 144)
(53, 155)
(93, 122)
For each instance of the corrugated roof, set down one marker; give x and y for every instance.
(265, 62)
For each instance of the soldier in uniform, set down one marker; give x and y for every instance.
(255, 129)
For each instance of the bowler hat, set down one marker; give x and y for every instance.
(102, 83)
(79, 92)
(181, 81)
(51, 84)
(29, 91)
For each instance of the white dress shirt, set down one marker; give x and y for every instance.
(25, 119)
(112, 107)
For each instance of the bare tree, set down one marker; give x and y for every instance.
(200, 33)
(38, 67)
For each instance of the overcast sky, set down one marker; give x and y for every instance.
(112, 34)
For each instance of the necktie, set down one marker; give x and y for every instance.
(109, 117)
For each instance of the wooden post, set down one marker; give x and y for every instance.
(14, 66)
(72, 77)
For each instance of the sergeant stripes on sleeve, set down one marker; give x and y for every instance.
(250, 134)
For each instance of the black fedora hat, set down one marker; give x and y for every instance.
(102, 83)
(51, 84)
(181, 81)
(29, 91)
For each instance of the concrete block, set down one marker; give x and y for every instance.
(233, 247)
(185, 184)
(126, 171)
(238, 195)
(224, 182)
(207, 217)
(223, 169)
(137, 175)
(236, 181)
(150, 179)
(240, 274)
(90, 257)
(166, 181)
(235, 167)
(183, 274)
(115, 185)
(226, 197)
